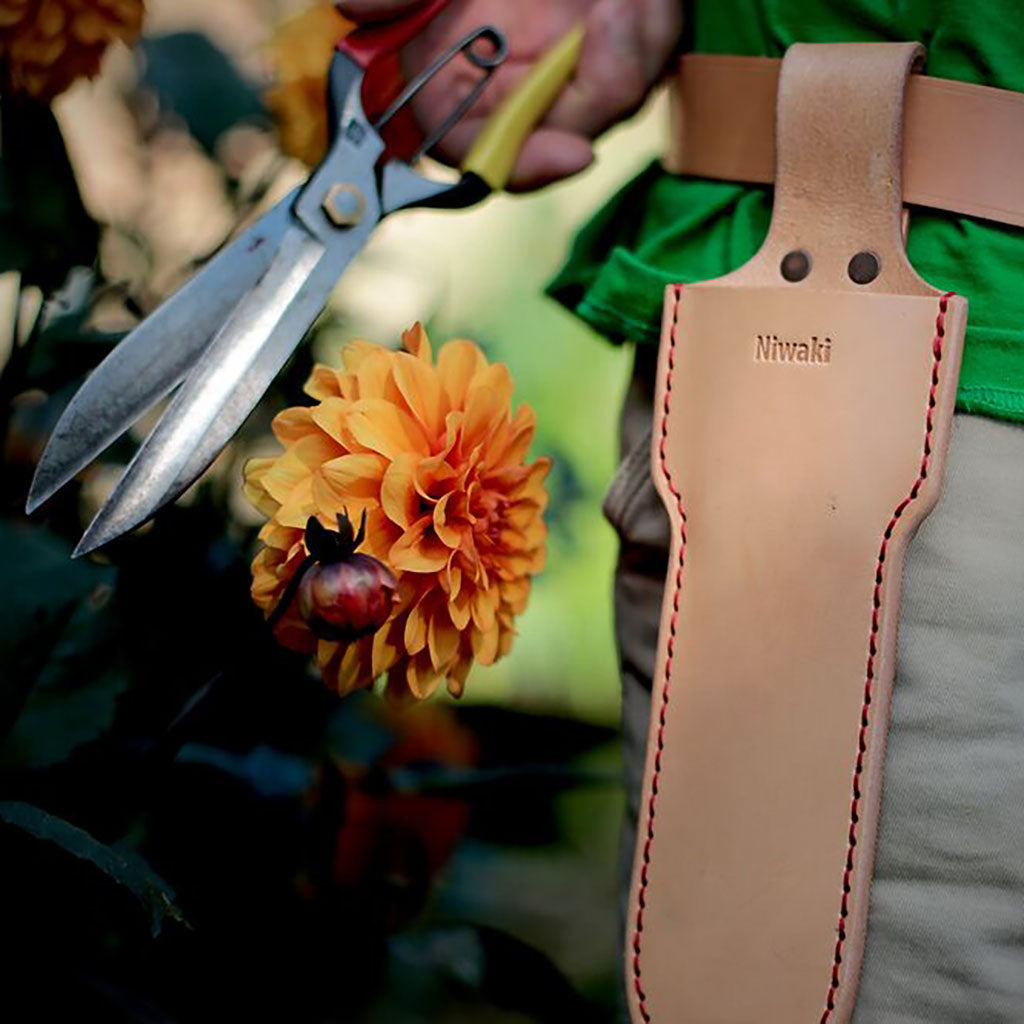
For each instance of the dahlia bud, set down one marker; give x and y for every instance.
(344, 596)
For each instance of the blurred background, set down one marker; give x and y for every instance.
(191, 825)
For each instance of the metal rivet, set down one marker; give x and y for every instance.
(796, 265)
(344, 205)
(864, 268)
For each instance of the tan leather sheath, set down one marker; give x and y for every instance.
(800, 435)
(723, 126)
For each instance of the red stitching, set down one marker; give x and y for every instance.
(671, 646)
(862, 746)
(940, 330)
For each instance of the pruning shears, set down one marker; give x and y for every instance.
(224, 336)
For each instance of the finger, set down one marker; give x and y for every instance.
(549, 154)
(626, 47)
(361, 11)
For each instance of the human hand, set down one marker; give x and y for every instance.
(625, 49)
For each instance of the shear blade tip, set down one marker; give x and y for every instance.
(39, 492)
(90, 543)
(100, 531)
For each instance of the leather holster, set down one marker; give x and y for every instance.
(802, 414)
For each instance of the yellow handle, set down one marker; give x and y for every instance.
(496, 147)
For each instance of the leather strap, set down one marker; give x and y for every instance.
(800, 436)
(723, 127)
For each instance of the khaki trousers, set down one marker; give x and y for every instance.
(946, 925)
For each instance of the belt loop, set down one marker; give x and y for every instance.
(839, 139)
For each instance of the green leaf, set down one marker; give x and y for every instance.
(269, 773)
(122, 866)
(44, 228)
(483, 969)
(58, 678)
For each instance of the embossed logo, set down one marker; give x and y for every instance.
(814, 351)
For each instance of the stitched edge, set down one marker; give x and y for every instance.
(830, 999)
(862, 746)
(673, 622)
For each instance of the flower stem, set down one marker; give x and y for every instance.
(289, 591)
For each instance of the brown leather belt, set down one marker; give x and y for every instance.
(723, 127)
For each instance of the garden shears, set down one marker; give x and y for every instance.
(224, 336)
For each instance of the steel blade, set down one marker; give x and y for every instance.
(156, 355)
(333, 215)
(226, 383)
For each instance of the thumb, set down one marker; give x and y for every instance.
(547, 155)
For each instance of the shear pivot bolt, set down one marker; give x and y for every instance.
(344, 205)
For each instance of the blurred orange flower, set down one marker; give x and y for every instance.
(46, 44)
(300, 54)
(435, 457)
(405, 834)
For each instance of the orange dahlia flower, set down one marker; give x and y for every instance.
(300, 54)
(46, 44)
(434, 456)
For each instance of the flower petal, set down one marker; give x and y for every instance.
(293, 424)
(460, 608)
(375, 376)
(522, 483)
(457, 675)
(415, 635)
(331, 416)
(485, 645)
(418, 550)
(254, 488)
(299, 506)
(354, 477)
(515, 594)
(381, 534)
(415, 341)
(419, 386)
(324, 382)
(458, 363)
(382, 427)
(326, 652)
(506, 637)
(398, 495)
(354, 669)
(356, 352)
(484, 606)
(452, 579)
(442, 639)
(274, 535)
(287, 472)
(421, 677)
(513, 441)
(483, 417)
(447, 528)
(387, 647)
(434, 477)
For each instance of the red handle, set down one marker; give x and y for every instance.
(368, 45)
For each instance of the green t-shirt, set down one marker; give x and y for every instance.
(664, 228)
